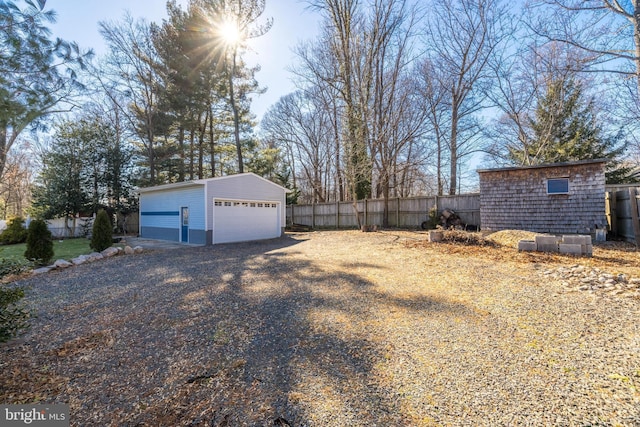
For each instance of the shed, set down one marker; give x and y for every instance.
(232, 208)
(560, 198)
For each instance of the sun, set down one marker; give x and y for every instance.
(230, 32)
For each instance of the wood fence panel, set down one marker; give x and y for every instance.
(625, 222)
(403, 212)
(467, 206)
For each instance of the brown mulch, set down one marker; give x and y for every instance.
(331, 329)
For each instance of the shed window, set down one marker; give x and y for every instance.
(558, 186)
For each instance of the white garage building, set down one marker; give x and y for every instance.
(234, 208)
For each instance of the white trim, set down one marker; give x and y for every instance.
(558, 179)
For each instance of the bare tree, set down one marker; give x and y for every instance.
(301, 129)
(461, 38)
(607, 31)
(131, 73)
(395, 119)
(15, 186)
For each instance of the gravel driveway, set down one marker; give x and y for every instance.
(326, 329)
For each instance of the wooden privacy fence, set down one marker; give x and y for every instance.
(403, 212)
(622, 210)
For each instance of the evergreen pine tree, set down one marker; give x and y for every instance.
(39, 243)
(565, 129)
(102, 236)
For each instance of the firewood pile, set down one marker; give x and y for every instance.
(449, 219)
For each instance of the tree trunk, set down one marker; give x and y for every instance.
(236, 115)
(453, 181)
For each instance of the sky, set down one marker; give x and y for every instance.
(77, 20)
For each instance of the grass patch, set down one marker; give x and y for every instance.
(62, 249)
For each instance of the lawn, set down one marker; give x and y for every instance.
(63, 249)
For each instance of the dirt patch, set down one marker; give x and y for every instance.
(330, 329)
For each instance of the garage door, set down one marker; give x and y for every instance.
(239, 221)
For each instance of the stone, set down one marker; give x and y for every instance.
(527, 245)
(109, 252)
(79, 260)
(41, 270)
(568, 248)
(94, 256)
(62, 263)
(128, 250)
(436, 236)
(138, 249)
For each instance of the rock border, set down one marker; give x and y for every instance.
(595, 280)
(61, 264)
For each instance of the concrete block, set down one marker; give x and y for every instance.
(545, 240)
(576, 239)
(570, 248)
(588, 250)
(527, 245)
(548, 247)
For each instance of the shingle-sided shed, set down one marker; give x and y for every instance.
(559, 198)
(232, 208)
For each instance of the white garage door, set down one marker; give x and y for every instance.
(239, 221)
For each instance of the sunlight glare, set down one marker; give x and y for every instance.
(230, 32)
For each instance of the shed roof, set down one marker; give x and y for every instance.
(547, 165)
(198, 182)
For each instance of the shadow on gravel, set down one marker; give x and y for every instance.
(250, 334)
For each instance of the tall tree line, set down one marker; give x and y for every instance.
(396, 97)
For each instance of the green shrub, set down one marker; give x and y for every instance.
(433, 220)
(39, 243)
(14, 233)
(13, 315)
(12, 266)
(102, 236)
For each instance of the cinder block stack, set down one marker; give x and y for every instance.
(570, 244)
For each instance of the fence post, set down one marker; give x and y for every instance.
(337, 213)
(613, 205)
(397, 212)
(313, 215)
(292, 217)
(633, 201)
(366, 213)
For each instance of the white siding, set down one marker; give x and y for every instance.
(245, 187)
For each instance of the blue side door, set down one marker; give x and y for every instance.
(184, 235)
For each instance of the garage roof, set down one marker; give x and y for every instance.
(197, 182)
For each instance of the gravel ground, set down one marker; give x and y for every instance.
(328, 329)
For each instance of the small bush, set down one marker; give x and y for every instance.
(14, 233)
(102, 235)
(433, 220)
(13, 315)
(39, 243)
(12, 266)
